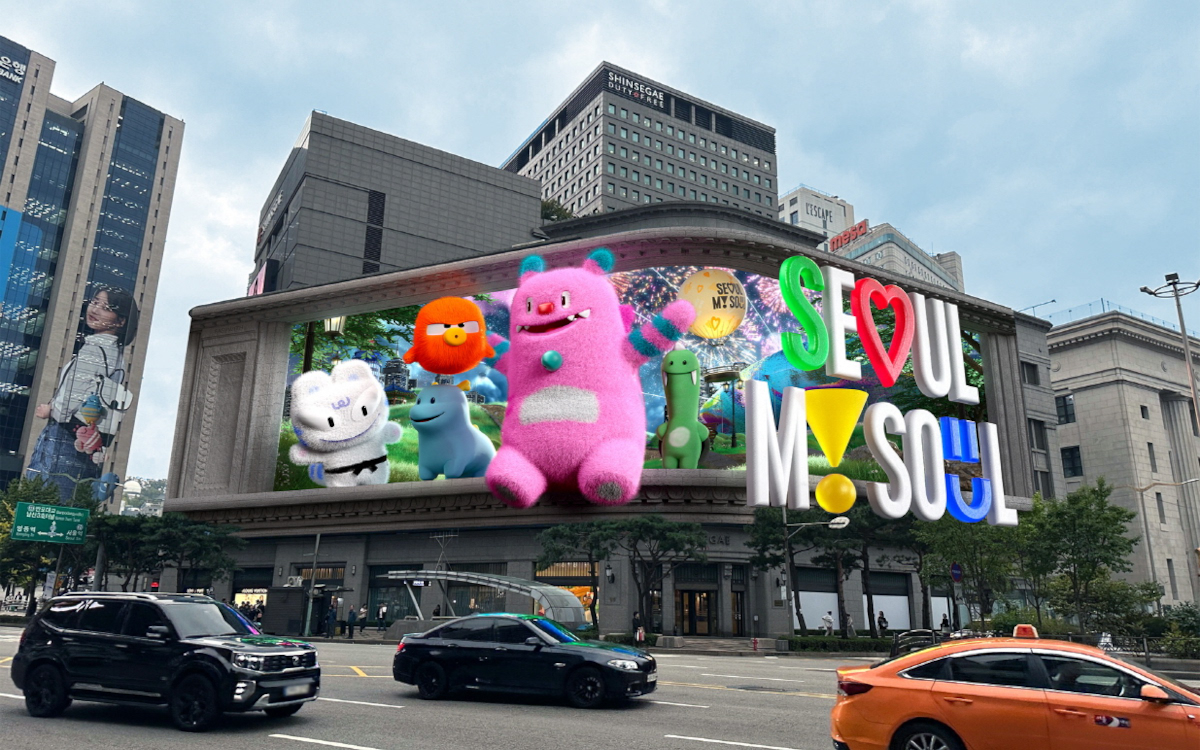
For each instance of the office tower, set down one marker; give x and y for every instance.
(620, 140)
(352, 201)
(87, 188)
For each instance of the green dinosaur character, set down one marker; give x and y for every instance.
(681, 438)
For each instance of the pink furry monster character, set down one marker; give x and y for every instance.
(575, 415)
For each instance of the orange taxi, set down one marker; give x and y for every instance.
(1018, 693)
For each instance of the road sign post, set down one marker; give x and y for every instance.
(49, 523)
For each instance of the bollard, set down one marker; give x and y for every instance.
(754, 644)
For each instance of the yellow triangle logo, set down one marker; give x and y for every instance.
(832, 415)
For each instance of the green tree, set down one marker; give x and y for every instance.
(1092, 539)
(552, 210)
(130, 546)
(194, 546)
(594, 541)
(773, 549)
(1035, 555)
(983, 551)
(372, 333)
(835, 549)
(656, 547)
(912, 550)
(1108, 605)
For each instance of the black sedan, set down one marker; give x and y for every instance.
(521, 654)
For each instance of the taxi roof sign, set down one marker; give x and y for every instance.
(1025, 631)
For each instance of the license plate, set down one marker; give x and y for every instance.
(652, 678)
(293, 690)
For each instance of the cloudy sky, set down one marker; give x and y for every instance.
(1054, 145)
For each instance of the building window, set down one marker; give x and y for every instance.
(1072, 462)
(624, 132)
(658, 183)
(1145, 412)
(611, 187)
(1066, 408)
(1029, 374)
(795, 217)
(624, 114)
(612, 149)
(637, 196)
(1037, 434)
(624, 153)
(612, 128)
(1171, 578)
(624, 172)
(624, 192)
(612, 168)
(1162, 508)
(612, 110)
(1153, 460)
(636, 138)
(1043, 484)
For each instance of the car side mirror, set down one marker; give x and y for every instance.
(534, 641)
(1155, 694)
(158, 632)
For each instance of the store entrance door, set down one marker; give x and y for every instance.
(694, 612)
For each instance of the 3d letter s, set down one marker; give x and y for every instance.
(797, 273)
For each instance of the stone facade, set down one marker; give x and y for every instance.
(225, 449)
(1133, 426)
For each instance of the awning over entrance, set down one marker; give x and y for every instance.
(559, 603)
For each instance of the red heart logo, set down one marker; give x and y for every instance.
(868, 292)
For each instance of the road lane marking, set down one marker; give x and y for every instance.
(359, 672)
(685, 705)
(14, 697)
(797, 693)
(741, 677)
(372, 676)
(7, 658)
(361, 703)
(327, 743)
(726, 742)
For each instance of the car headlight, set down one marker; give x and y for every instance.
(624, 664)
(248, 661)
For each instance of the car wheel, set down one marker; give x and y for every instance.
(431, 681)
(585, 688)
(46, 692)
(926, 737)
(194, 704)
(283, 711)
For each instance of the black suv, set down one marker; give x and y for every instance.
(521, 654)
(197, 655)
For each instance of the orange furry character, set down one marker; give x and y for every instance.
(450, 337)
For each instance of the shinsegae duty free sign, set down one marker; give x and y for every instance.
(49, 523)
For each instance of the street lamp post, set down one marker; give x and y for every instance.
(1176, 288)
(840, 522)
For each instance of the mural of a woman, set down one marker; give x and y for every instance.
(91, 396)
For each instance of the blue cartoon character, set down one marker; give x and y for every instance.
(448, 443)
(341, 420)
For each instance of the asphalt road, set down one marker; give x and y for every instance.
(702, 703)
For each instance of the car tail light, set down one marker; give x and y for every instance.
(399, 647)
(850, 687)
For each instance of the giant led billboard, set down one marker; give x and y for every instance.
(579, 378)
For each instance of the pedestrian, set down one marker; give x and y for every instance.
(945, 622)
(351, 620)
(827, 623)
(437, 610)
(381, 618)
(883, 625)
(850, 626)
(362, 618)
(330, 621)
(639, 632)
